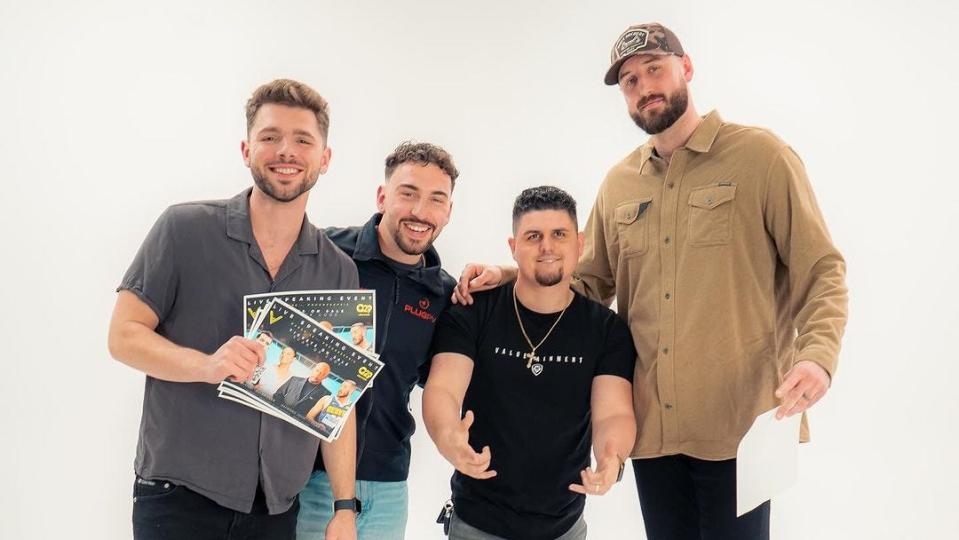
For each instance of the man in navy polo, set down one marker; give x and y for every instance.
(394, 255)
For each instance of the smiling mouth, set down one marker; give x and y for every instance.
(417, 228)
(548, 259)
(285, 170)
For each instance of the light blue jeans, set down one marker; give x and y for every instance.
(383, 516)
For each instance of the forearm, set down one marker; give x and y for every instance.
(617, 433)
(339, 458)
(441, 414)
(821, 319)
(141, 348)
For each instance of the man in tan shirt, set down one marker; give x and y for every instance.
(711, 242)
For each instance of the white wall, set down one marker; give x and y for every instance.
(112, 112)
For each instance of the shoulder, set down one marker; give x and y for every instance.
(599, 315)
(333, 257)
(345, 238)
(757, 141)
(195, 213)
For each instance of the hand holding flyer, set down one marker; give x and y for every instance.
(311, 376)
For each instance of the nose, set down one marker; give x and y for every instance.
(287, 151)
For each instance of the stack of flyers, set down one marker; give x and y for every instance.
(319, 358)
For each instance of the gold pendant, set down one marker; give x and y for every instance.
(532, 356)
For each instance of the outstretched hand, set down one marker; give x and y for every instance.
(461, 455)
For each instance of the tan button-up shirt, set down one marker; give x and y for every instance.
(721, 263)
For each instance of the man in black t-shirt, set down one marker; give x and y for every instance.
(543, 375)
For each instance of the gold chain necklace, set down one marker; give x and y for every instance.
(532, 353)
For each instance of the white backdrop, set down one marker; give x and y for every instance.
(112, 112)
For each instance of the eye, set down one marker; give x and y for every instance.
(306, 142)
(533, 236)
(268, 138)
(652, 69)
(560, 234)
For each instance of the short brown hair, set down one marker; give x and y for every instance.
(424, 154)
(292, 94)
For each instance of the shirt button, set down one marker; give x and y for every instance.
(667, 296)
(666, 240)
(665, 350)
(669, 185)
(668, 406)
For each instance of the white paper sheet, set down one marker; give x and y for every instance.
(766, 462)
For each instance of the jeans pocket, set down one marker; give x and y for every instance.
(145, 489)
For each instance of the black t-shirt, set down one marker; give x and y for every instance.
(535, 420)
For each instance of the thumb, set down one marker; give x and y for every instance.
(467, 420)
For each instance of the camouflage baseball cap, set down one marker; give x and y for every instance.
(647, 38)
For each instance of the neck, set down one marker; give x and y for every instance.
(540, 299)
(391, 250)
(676, 135)
(274, 222)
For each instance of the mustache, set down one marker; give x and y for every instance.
(642, 102)
(285, 162)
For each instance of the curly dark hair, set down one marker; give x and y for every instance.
(543, 198)
(424, 154)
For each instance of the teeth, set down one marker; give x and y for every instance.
(417, 228)
(284, 170)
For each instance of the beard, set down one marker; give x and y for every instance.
(674, 108)
(408, 247)
(274, 192)
(548, 280)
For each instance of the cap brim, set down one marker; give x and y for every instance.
(612, 74)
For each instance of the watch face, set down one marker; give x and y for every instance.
(348, 504)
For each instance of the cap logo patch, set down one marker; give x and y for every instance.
(631, 42)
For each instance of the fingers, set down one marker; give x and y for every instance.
(476, 465)
(461, 293)
(804, 385)
(594, 483)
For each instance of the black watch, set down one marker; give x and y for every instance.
(353, 504)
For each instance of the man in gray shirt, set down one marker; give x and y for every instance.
(207, 468)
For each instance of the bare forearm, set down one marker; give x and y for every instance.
(616, 432)
(141, 348)
(339, 458)
(441, 413)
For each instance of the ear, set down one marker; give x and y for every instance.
(687, 68)
(512, 246)
(381, 198)
(580, 241)
(325, 162)
(245, 152)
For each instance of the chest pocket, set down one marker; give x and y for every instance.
(631, 226)
(711, 214)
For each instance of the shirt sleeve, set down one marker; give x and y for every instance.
(619, 353)
(816, 270)
(152, 275)
(457, 331)
(594, 273)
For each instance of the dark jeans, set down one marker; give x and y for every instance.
(165, 511)
(685, 498)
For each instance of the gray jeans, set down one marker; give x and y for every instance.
(460, 530)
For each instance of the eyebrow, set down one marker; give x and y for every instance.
(300, 132)
(651, 58)
(414, 188)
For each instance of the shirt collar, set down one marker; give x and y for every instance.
(700, 141)
(239, 227)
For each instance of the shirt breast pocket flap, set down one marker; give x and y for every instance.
(710, 214)
(631, 226)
